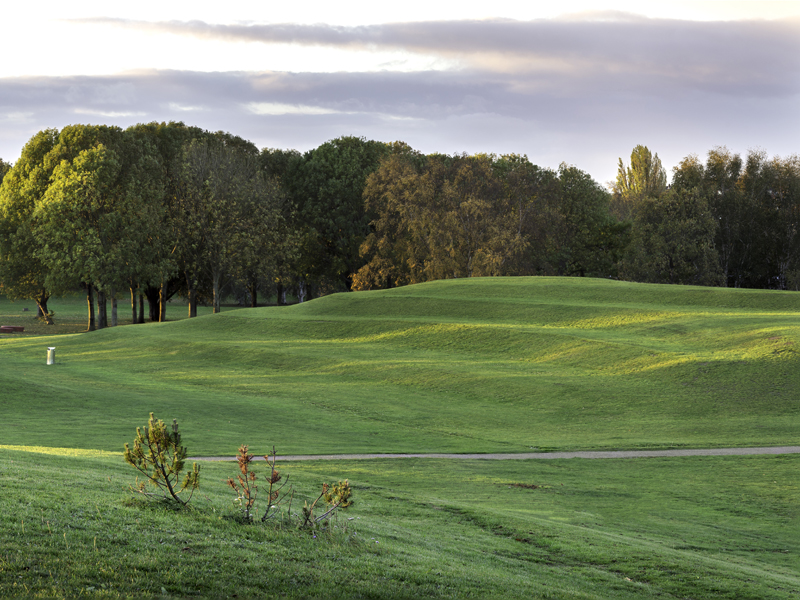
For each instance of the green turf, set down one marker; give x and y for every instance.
(464, 366)
(701, 527)
(479, 365)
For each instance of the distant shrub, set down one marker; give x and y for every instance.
(158, 455)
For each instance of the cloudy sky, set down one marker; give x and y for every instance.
(578, 82)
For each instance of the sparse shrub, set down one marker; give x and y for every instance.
(274, 495)
(245, 483)
(247, 490)
(159, 456)
(335, 495)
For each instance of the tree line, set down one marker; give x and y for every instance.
(165, 209)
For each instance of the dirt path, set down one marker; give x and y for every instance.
(537, 455)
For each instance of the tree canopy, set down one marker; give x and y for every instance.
(164, 208)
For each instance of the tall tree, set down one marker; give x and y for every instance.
(531, 197)
(673, 241)
(644, 178)
(773, 185)
(591, 240)
(279, 166)
(23, 275)
(327, 188)
(174, 269)
(98, 213)
(232, 212)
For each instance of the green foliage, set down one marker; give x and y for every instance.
(442, 217)
(590, 241)
(336, 496)
(23, 275)
(327, 188)
(159, 455)
(230, 215)
(673, 241)
(644, 178)
(755, 203)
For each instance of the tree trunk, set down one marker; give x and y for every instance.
(301, 291)
(90, 303)
(216, 278)
(41, 303)
(152, 302)
(141, 308)
(134, 313)
(253, 296)
(191, 286)
(281, 301)
(102, 310)
(114, 320)
(162, 302)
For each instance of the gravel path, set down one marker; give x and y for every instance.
(538, 455)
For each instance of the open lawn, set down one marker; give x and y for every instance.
(485, 365)
(482, 365)
(708, 527)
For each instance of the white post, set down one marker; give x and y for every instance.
(51, 355)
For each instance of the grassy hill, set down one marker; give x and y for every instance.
(481, 365)
(463, 366)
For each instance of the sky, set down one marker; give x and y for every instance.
(575, 82)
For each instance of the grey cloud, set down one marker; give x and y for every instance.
(589, 125)
(759, 58)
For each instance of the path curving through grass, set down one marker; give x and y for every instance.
(536, 455)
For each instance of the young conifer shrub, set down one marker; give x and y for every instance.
(336, 496)
(159, 455)
(245, 483)
(247, 490)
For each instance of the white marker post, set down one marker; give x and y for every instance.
(51, 355)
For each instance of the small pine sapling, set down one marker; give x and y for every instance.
(245, 488)
(159, 456)
(336, 496)
(275, 499)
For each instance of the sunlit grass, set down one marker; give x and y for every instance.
(494, 365)
(80, 452)
(700, 527)
(465, 366)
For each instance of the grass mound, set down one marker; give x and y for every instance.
(480, 365)
(485, 365)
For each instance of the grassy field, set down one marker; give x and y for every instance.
(668, 528)
(490, 365)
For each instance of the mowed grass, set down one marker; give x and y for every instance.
(495, 365)
(700, 527)
(479, 365)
